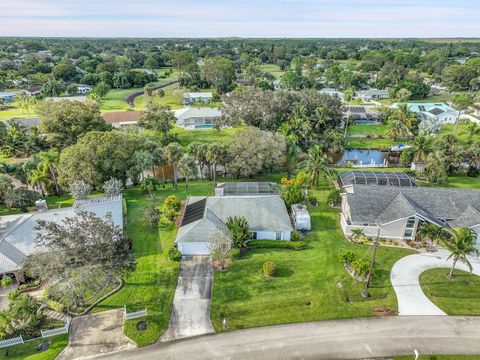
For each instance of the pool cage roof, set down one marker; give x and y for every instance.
(248, 188)
(358, 177)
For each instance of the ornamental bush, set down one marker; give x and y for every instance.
(174, 254)
(347, 257)
(269, 268)
(295, 236)
(277, 244)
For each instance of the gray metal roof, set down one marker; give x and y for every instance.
(203, 112)
(359, 177)
(444, 207)
(248, 188)
(263, 213)
(17, 238)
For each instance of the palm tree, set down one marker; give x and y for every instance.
(316, 164)
(215, 152)
(173, 154)
(37, 177)
(298, 126)
(462, 102)
(50, 159)
(187, 167)
(357, 234)
(319, 118)
(159, 160)
(460, 244)
(405, 116)
(293, 153)
(396, 128)
(421, 147)
(473, 129)
(431, 231)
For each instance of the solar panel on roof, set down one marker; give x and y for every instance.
(194, 212)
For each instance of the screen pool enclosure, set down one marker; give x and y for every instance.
(358, 177)
(245, 188)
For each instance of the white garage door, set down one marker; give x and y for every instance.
(194, 248)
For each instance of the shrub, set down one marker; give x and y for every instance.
(269, 268)
(361, 266)
(55, 305)
(234, 254)
(334, 198)
(312, 200)
(21, 198)
(112, 187)
(295, 236)
(277, 244)
(174, 254)
(30, 284)
(151, 215)
(239, 229)
(171, 206)
(6, 281)
(80, 189)
(347, 257)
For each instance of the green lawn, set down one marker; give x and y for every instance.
(273, 69)
(306, 286)
(459, 296)
(464, 182)
(366, 129)
(114, 100)
(462, 133)
(152, 284)
(15, 112)
(28, 351)
(364, 143)
(186, 137)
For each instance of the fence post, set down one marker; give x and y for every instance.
(21, 338)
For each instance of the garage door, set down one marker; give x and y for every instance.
(193, 248)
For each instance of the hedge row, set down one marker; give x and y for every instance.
(277, 244)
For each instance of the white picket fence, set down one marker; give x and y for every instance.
(133, 315)
(56, 331)
(10, 342)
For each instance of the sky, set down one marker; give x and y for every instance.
(243, 18)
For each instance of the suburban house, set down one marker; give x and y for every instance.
(203, 216)
(83, 89)
(17, 232)
(197, 97)
(372, 94)
(396, 212)
(196, 118)
(432, 115)
(332, 92)
(122, 119)
(362, 115)
(34, 90)
(7, 96)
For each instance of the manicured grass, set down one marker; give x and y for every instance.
(366, 129)
(306, 285)
(15, 112)
(462, 133)
(114, 100)
(28, 351)
(186, 137)
(273, 69)
(439, 357)
(152, 284)
(364, 143)
(459, 296)
(463, 182)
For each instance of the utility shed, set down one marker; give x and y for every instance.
(301, 217)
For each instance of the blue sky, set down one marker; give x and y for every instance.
(247, 18)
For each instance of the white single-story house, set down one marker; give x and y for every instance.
(7, 96)
(372, 94)
(196, 118)
(83, 89)
(432, 115)
(362, 115)
(203, 216)
(395, 213)
(18, 234)
(34, 90)
(332, 92)
(196, 97)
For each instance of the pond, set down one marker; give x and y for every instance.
(366, 157)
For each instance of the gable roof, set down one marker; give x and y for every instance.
(121, 116)
(263, 213)
(204, 112)
(17, 238)
(444, 207)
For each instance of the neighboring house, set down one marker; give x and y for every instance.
(372, 94)
(432, 115)
(18, 234)
(361, 115)
(196, 118)
(332, 92)
(347, 179)
(197, 97)
(397, 212)
(26, 122)
(267, 217)
(122, 119)
(34, 90)
(7, 96)
(83, 89)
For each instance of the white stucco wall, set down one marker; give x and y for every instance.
(271, 235)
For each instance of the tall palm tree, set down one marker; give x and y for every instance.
(397, 129)
(293, 153)
(215, 152)
(37, 177)
(298, 126)
(431, 231)
(473, 129)
(194, 149)
(49, 159)
(460, 244)
(173, 154)
(187, 167)
(316, 164)
(405, 116)
(421, 147)
(462, 102)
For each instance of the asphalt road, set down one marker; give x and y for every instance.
(336, 339)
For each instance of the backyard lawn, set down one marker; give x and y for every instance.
(364, 143)
(366, 129)
(152, 284)
(186, 137)
(29, 351)
(462, 133)
(459, 296)
(273, 69)
(312, 284)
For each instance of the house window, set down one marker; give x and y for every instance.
(409, 227)
(278, 236)
(254, 235)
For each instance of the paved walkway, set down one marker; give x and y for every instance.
(339, 339)
(405, 281)
(191, 306)
(96, 334)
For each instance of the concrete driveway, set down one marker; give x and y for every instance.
(405, 281)
(96, 334)
(191, 306)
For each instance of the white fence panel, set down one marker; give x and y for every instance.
(10, 342)
(56, 331)
(133, 315)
